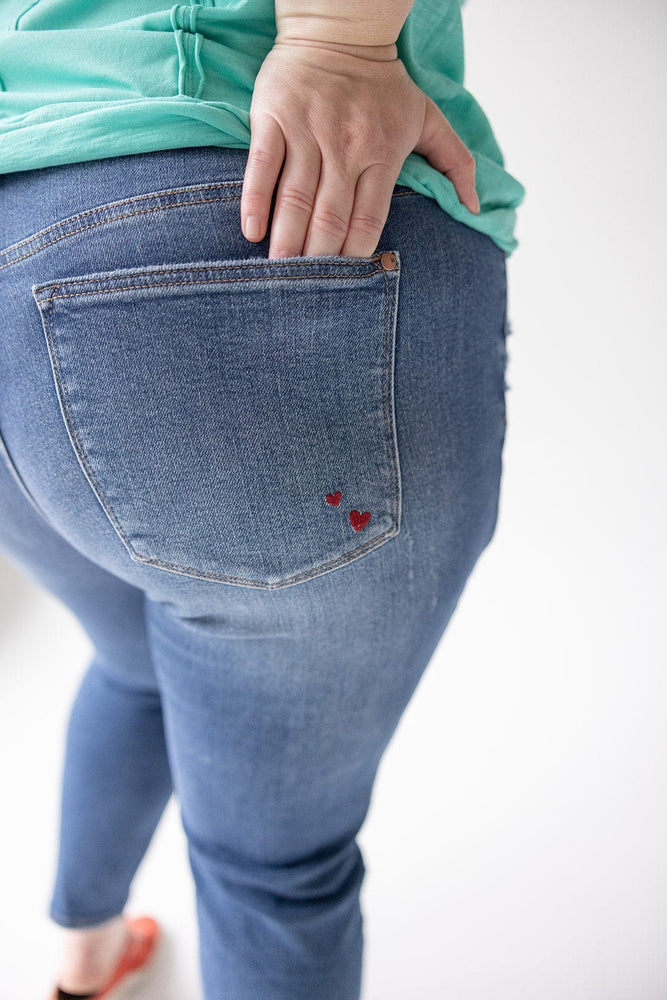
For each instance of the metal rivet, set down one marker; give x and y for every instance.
(388, 261)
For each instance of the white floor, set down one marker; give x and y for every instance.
(516, 841)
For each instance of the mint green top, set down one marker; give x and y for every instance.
(87, 79)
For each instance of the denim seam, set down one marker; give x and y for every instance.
(212, 281)
(390, 327)
(117, 204)
(385, 393)
(75, 921)
(74, 437)
(100, 208)
(318, 570)
(128, 215)
(251, 264)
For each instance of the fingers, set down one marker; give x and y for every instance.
(445, 151)
(330, 219)
(372, 201)
(265, 160)
(320, 213)
(344, 219)
(335, 153)
(295, 199)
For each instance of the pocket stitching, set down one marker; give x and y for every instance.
(386, 401)
(321, 568)
(65, 406)
(201, 281)
(111, 205)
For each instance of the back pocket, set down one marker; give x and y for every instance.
(235, 419)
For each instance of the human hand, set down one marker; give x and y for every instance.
(339, 126)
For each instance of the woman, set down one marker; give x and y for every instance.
(252, 413)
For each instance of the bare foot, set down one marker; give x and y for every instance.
(91, 954)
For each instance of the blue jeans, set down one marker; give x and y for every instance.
(261, 486)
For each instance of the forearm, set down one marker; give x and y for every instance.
(357, 22)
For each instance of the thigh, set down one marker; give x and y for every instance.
(110, 610)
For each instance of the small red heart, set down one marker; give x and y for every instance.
(334, 498)
(359, 521)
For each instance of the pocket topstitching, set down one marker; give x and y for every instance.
(235, 419)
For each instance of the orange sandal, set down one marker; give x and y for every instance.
(135, 959)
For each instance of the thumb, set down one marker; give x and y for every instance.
(443, 149)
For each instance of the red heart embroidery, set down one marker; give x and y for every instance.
(359, 521)
(334, 498)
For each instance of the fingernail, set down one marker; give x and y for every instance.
(253, 227)
(476, 205)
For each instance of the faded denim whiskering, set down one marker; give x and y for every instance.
(261, 486)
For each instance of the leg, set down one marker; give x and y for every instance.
(116, 779)
(278, 706)
(278, 703)
(276, 733)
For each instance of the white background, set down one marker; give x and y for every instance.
(517, 841)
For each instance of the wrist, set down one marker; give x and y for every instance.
(376, 53)
(363, 23)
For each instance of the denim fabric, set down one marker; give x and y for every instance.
(226, 494)
(261, 486)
